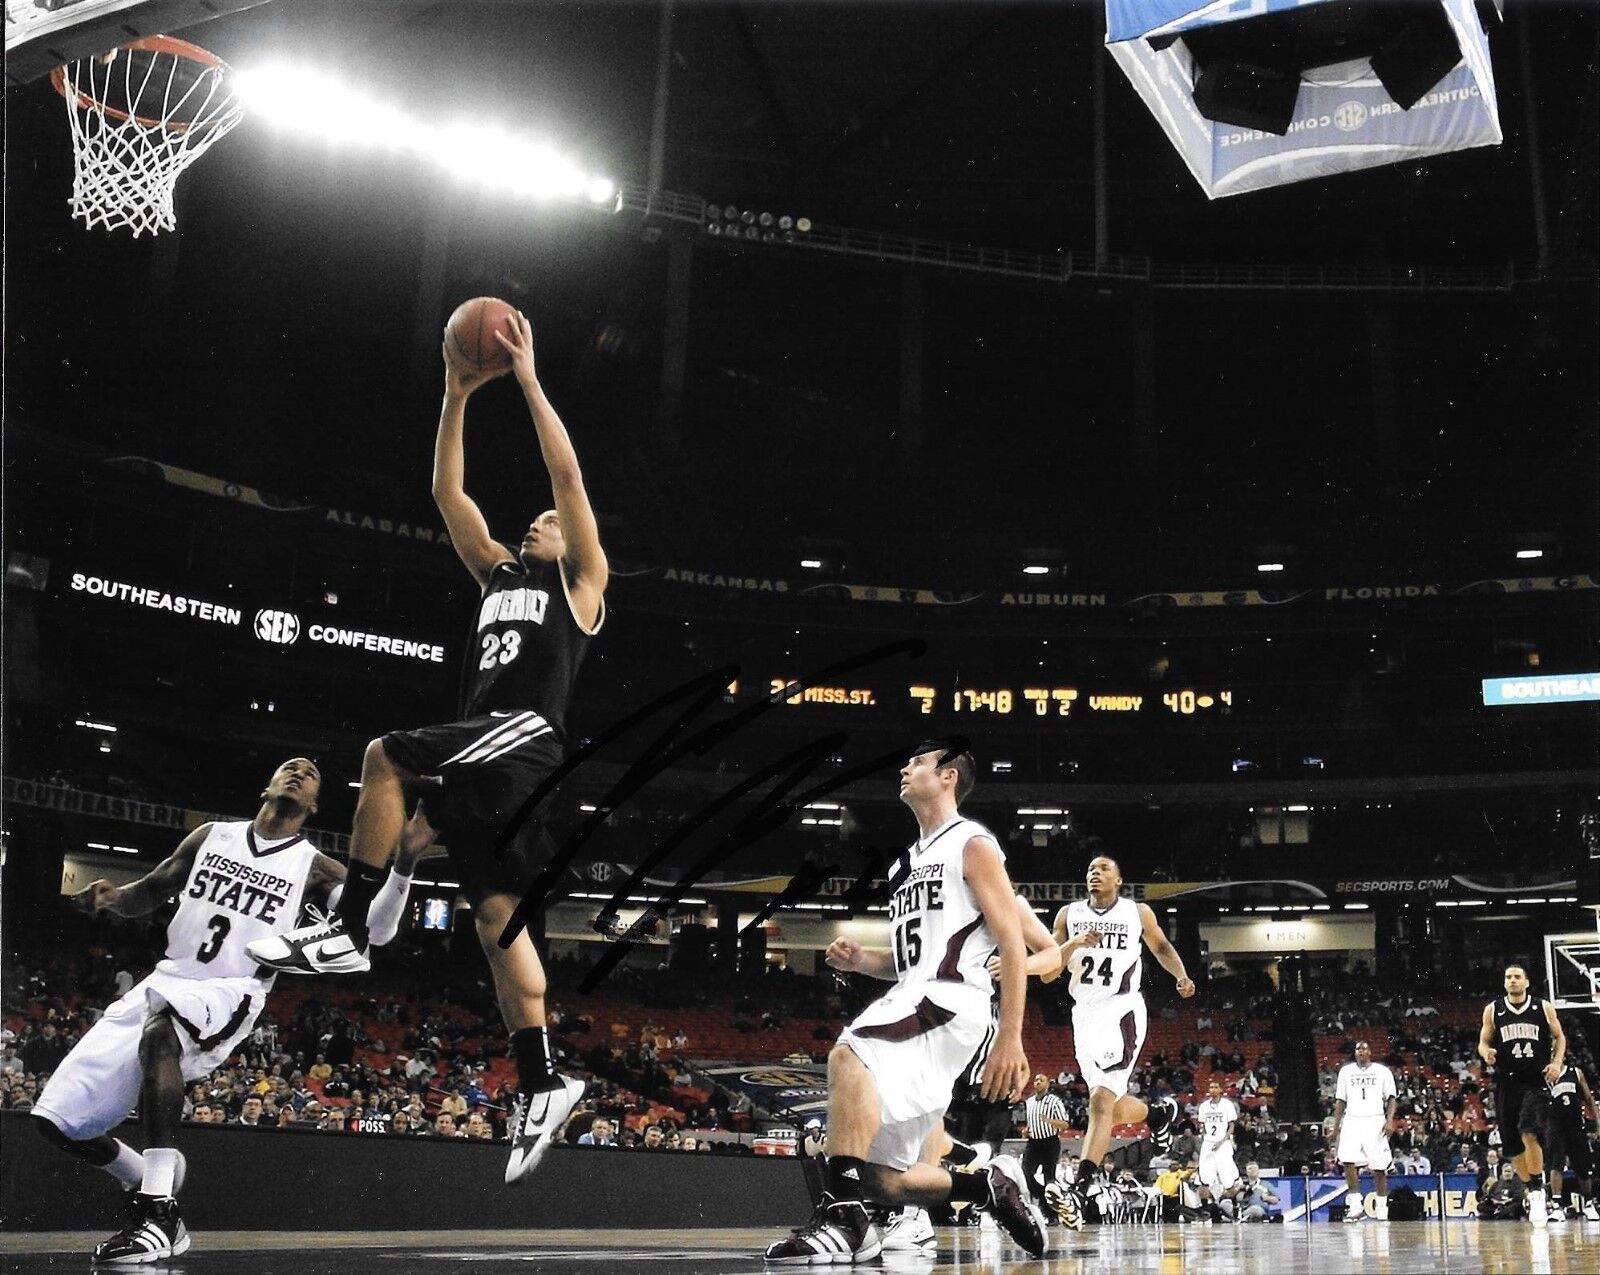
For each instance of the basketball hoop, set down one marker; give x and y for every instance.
(140, 115)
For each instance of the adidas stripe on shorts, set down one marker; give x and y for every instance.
(477, 774)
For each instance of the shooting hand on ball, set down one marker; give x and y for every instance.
(462, 377)
(517, 338)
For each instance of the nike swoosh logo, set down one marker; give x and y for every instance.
(502, 714)
(322, 954)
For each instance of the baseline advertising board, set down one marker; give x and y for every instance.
(1314, 1199)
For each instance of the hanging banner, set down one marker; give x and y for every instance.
(639, 579)
(1344, 118)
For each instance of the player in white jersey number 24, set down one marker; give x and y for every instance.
(234, 882)
(891, 1074)
(1102, 941)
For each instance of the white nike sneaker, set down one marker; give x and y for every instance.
(1556, 1214)
(322, 948)
(910, 1232)
(537, 1119)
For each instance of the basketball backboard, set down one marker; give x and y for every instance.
(44, 34)
(1572, 969)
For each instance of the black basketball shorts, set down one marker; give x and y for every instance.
(475, 779)
(1567, 1144)
(1519, 1108)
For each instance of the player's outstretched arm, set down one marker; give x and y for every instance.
(325, 874)
(144, 896)
(849, 956)
(1006, 1072)
(469, 532)
(1589, 1108)
(1486, 1049)
(1162, 949)
(1558, 1038)
(585, 563)
(1045, 958)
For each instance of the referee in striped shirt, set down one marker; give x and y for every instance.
(1047, 1121)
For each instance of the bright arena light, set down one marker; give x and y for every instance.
(321, 104)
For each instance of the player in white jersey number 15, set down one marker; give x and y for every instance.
(891, 1074)
(234, 882)
(1102, 941)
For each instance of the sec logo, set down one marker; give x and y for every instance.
(282, 627)
(1349, 116)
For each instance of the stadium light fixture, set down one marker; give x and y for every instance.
(811, 564)
(1530, 553)
(1033, 569)
(1269, 566)
(311, 101)
(90, 724)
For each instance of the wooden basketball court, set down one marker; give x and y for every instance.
(1395, 1248)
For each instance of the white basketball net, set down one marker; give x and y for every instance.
(127, 162)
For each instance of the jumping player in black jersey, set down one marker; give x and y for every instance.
(540, 607)
(1571, 1112)
(1522, 1040)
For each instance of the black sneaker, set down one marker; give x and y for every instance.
(1013, 1207)
(153, 1232)
(1161, 1117)
(840, 1232)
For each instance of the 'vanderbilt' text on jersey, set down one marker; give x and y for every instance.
(1522, 1040)
(240, 889)
(1566, 1100)
(1113, 968)
(526, 644)
(937, 933)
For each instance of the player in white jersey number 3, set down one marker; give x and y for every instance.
(234, 882)
(892, 1071)
(1102, 941)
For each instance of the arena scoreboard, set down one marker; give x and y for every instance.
(1062, 701)
(924, 699)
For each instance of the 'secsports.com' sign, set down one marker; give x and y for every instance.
(281, 628)
(1569, 688)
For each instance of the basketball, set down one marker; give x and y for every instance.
(471, 332)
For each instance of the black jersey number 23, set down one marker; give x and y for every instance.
(500, 648)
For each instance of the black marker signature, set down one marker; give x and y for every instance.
(773, 811)
(667, 749)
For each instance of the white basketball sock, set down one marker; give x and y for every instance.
(160, 1169)
(383, 917)
(1352, 1201)
(128, 1167)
